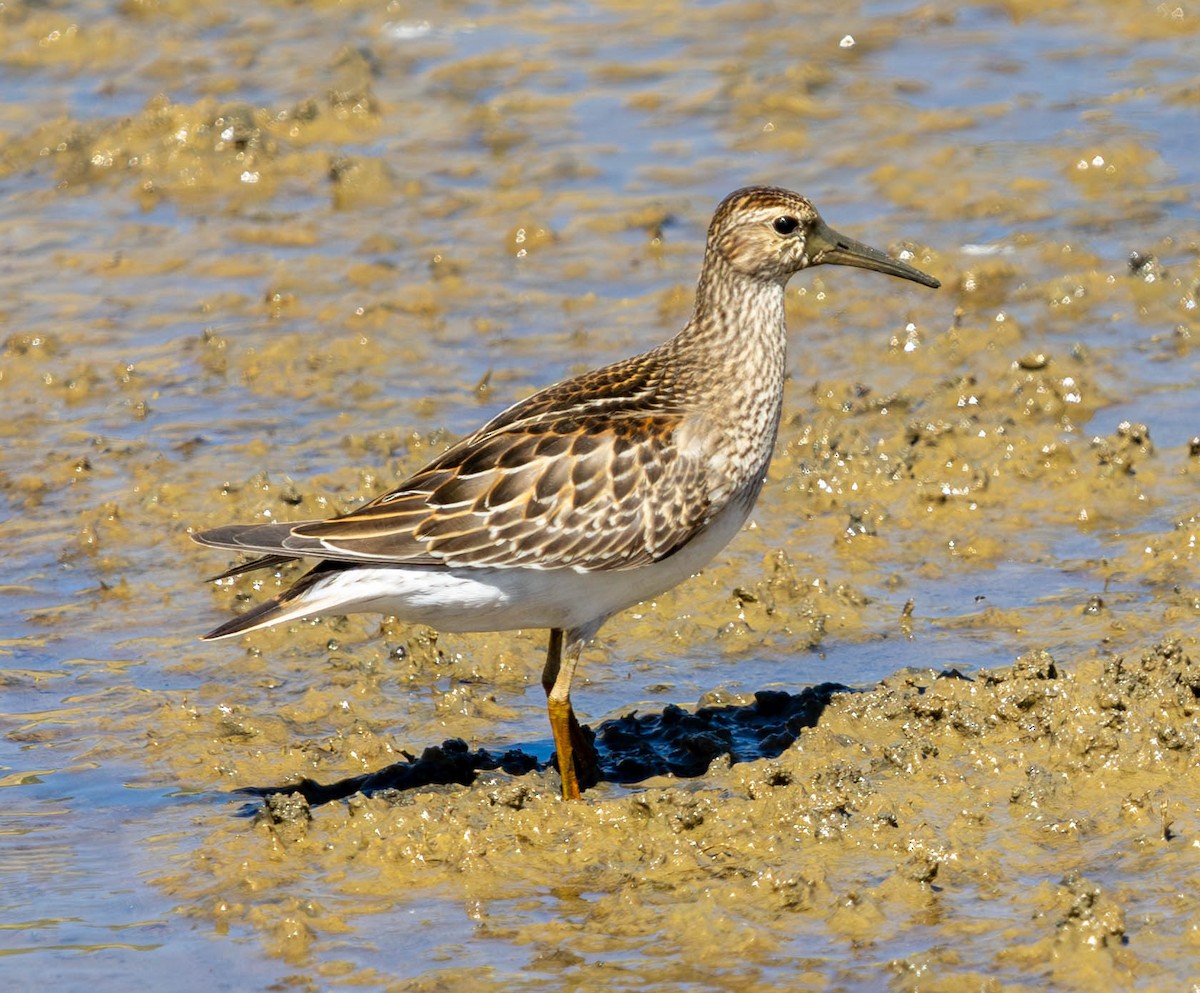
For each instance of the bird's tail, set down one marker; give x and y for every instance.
(302, 599)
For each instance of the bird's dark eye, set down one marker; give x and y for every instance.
(785, 225)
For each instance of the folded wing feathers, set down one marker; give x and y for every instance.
(626, 497)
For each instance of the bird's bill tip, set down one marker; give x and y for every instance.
(829, 247)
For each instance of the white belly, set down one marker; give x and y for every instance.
(464, 599)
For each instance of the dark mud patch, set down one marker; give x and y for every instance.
(630, 749)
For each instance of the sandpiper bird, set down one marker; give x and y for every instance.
(591, 495)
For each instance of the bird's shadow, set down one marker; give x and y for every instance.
(629, 749)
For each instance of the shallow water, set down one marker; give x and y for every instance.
(260, 260)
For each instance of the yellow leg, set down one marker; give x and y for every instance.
(576, 755)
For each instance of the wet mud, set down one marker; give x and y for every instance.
(1012, 802)
(930, 723)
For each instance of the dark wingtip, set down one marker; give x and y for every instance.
(280, 607)
(206, 537)
(253, 565)
(226, 536)
(255, 617)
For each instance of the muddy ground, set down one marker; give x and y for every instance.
(931, 722)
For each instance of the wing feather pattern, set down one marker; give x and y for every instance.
(618, 498)
(588, 475)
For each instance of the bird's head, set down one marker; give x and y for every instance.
(770, 234)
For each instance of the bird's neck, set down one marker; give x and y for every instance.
(736, 345)
(738, 320)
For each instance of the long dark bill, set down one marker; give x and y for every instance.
(826, 246)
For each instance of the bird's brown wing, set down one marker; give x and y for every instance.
(588, 489)
(582, 492)
(596, 472)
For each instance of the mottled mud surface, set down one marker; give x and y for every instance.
(931, 723)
